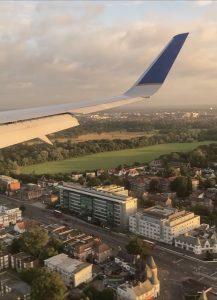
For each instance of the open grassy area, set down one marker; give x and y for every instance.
(111, 159)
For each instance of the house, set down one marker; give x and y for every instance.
(11, 287)
(132, 172)
(121, 172)
(100, 172)
(199, 241)
(162, 199)
(195, 184)
(22, 261)
(9, 184)
(90, 174)
(9, 216)
(77, 176)
(72, 271)
(128, 262)
(22, 225)
(101, 252)
(157, 163)
(148, 288)
(31, 192)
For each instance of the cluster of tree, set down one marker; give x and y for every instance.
(144, 124)
(182, 185)
(200, 157)
(45, 284)
(91, 293)
(22, 155)
(207, 216)
(36, 242)
(136, 246)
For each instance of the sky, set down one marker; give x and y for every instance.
(66, 51)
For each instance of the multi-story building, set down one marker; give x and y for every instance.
(109, 205)
(31, 191)
(4, 261)
(8, 183)
(11, 287)
(163, 223)
(22, 261)
(9, 216)
(72, 271)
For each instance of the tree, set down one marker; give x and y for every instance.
(154, 185)
(48, 285)
(182, 185)
(136, 247)
(47, 253)
(93, 294)
(34, 240)
(16, 245)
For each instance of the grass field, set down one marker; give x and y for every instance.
(108, 160)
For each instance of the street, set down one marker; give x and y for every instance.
(173, 268)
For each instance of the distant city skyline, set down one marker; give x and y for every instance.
(59, 52)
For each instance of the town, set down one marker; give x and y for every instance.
(113, 233)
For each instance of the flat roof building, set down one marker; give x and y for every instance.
(109, 205)
(72, 271)
(9, 216)
(163, 223)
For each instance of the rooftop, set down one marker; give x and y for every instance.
(112, 192)
(18, 287)
(66, 263)
(160, 212)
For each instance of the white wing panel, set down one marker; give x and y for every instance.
(27, 130)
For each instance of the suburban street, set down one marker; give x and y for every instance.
(173, 267)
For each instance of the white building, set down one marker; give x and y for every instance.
(109, 205)
(200, 240)
(72, 271)
(9, 216)
(141, 290)
(163, 223)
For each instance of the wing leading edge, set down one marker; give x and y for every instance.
(30, 123)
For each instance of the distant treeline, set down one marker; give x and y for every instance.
(21, 155)
(164, 125)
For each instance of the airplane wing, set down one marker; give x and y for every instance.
(21, 125)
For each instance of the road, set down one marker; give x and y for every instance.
(172, 267)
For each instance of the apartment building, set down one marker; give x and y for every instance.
(22, 261)
(163, 223)
(72, 271)
(108, 205)
(8, 183)
(4, 261)
(9, 216)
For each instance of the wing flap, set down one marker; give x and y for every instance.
(19, 132)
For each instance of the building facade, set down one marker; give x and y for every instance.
(9, 216)
(146, 289)
(72, 271)
(199, 241)
(163, 223)
(109, 205)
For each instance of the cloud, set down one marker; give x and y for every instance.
(203, 2)
(52, 52)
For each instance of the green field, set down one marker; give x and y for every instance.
(108, 160)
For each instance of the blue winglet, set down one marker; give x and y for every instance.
(157, 72)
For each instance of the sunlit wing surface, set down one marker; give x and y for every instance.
(26, 124)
